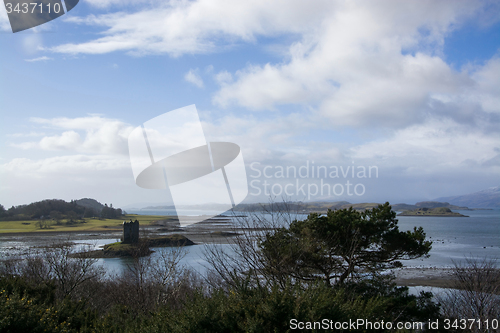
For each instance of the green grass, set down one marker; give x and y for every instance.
(164, 241)
(118, 246)
(90, 224)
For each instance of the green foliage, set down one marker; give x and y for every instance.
(40, 292)
(110, 212)
(3, 212)
(32, 308)
(262, 310)
(400, 303)
(43, 208)
(343, 244)
(258, 309)
(245, 308)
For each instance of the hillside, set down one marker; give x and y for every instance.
(489, 198)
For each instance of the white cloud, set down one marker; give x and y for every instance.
(120, 3)
(80, 157)
(356, 63)
(44, 58)
(223, 78)
(376, 65)
(371, 63)
(68, 140)
(180, 27)
(92, 134)
(22, 135)
(25, 145)
(4, 20)
(91, 122)
(103, 177)
(436, 145)
(277, 139)
(193, 77)
(487, 89)
(70, 164)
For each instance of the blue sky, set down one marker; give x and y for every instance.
(410, 87)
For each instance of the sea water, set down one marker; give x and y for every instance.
(454, 239)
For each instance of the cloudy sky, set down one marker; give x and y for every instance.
(409, 87)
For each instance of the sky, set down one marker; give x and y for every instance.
(409, 90)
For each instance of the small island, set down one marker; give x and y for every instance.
(132, 246)
(439, 211)
(139, 249)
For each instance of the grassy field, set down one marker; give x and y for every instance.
(90, 224)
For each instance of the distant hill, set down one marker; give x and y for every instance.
(322, 207)
(298, 207)
(90, 203)
(427, 204)
(359, 206)
(57, 209)
(489, 198)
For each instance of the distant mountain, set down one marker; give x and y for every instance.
(489, 198)
(142, 205)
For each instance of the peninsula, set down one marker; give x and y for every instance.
(439, 211)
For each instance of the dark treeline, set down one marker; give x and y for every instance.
(330, 267)
(58, 209)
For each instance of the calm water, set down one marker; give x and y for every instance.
(453, 239)
(456, 237)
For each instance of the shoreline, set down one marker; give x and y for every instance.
(205, 233)
(440, 277)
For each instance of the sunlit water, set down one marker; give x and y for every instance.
(457, 237)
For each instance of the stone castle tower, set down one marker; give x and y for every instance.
(131, 232)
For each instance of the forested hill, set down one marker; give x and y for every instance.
(90, 203)
(57, 209)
